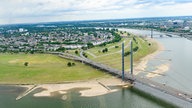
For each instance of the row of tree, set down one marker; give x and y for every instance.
(70, 64)
(135, 49)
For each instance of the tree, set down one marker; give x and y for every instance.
(135, 40)
(73, 64)
(103, 44)
(84, 48)
(127, 53)
(105, 50)
(90, 45)
(32, 52)
(85, 55)
(61, 49)
(69, 64)
(26, 64)
(149, 44)
(76, 52)
(116, 46)
(135, 49)
(95, 34)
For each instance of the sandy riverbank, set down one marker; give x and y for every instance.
(142, 65)
(159, 71)
(92, 87)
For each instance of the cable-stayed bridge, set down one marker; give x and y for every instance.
(162, 91)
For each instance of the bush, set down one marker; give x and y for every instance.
(103, 44)
(84, 48)
(149, 44)
(85, 55)
(76, 52)
(32, 52)
(105, 50)
(90, 45)
(135, 40)
(26, 63)
(135, 49)
(69, 64)
(127, 53)
(73, 64)
(116, 46)
(62, 49)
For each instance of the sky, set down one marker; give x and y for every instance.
(32, 11)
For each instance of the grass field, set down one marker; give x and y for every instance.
(42, 68)
(113, 56)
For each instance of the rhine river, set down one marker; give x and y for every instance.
(176, 54)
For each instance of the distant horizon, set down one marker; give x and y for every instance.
(35, 11)
(89, 20)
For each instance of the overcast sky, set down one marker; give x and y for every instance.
(29, 11)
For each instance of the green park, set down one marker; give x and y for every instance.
(37, 68)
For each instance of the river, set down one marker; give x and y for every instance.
(176, 53)
(123, 98)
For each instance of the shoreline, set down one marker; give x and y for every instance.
(160, 69)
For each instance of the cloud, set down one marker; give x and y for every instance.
(22, 11)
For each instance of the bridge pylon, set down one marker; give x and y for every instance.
(131, 58)
(151, 32)
(131, 61)
(123, 68)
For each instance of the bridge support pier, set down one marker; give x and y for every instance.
(131, 58)
(123, 68)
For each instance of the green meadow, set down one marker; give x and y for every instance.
(42, 68)
(113, 56)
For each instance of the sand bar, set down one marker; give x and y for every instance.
(93, 88)
(159, 70)
(143, 62)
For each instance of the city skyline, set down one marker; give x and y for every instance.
(22, 11)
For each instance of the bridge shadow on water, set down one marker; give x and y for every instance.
(152, 98)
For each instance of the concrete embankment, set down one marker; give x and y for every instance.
(29, 90)
(104, 86)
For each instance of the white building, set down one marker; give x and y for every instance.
(21, 30)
